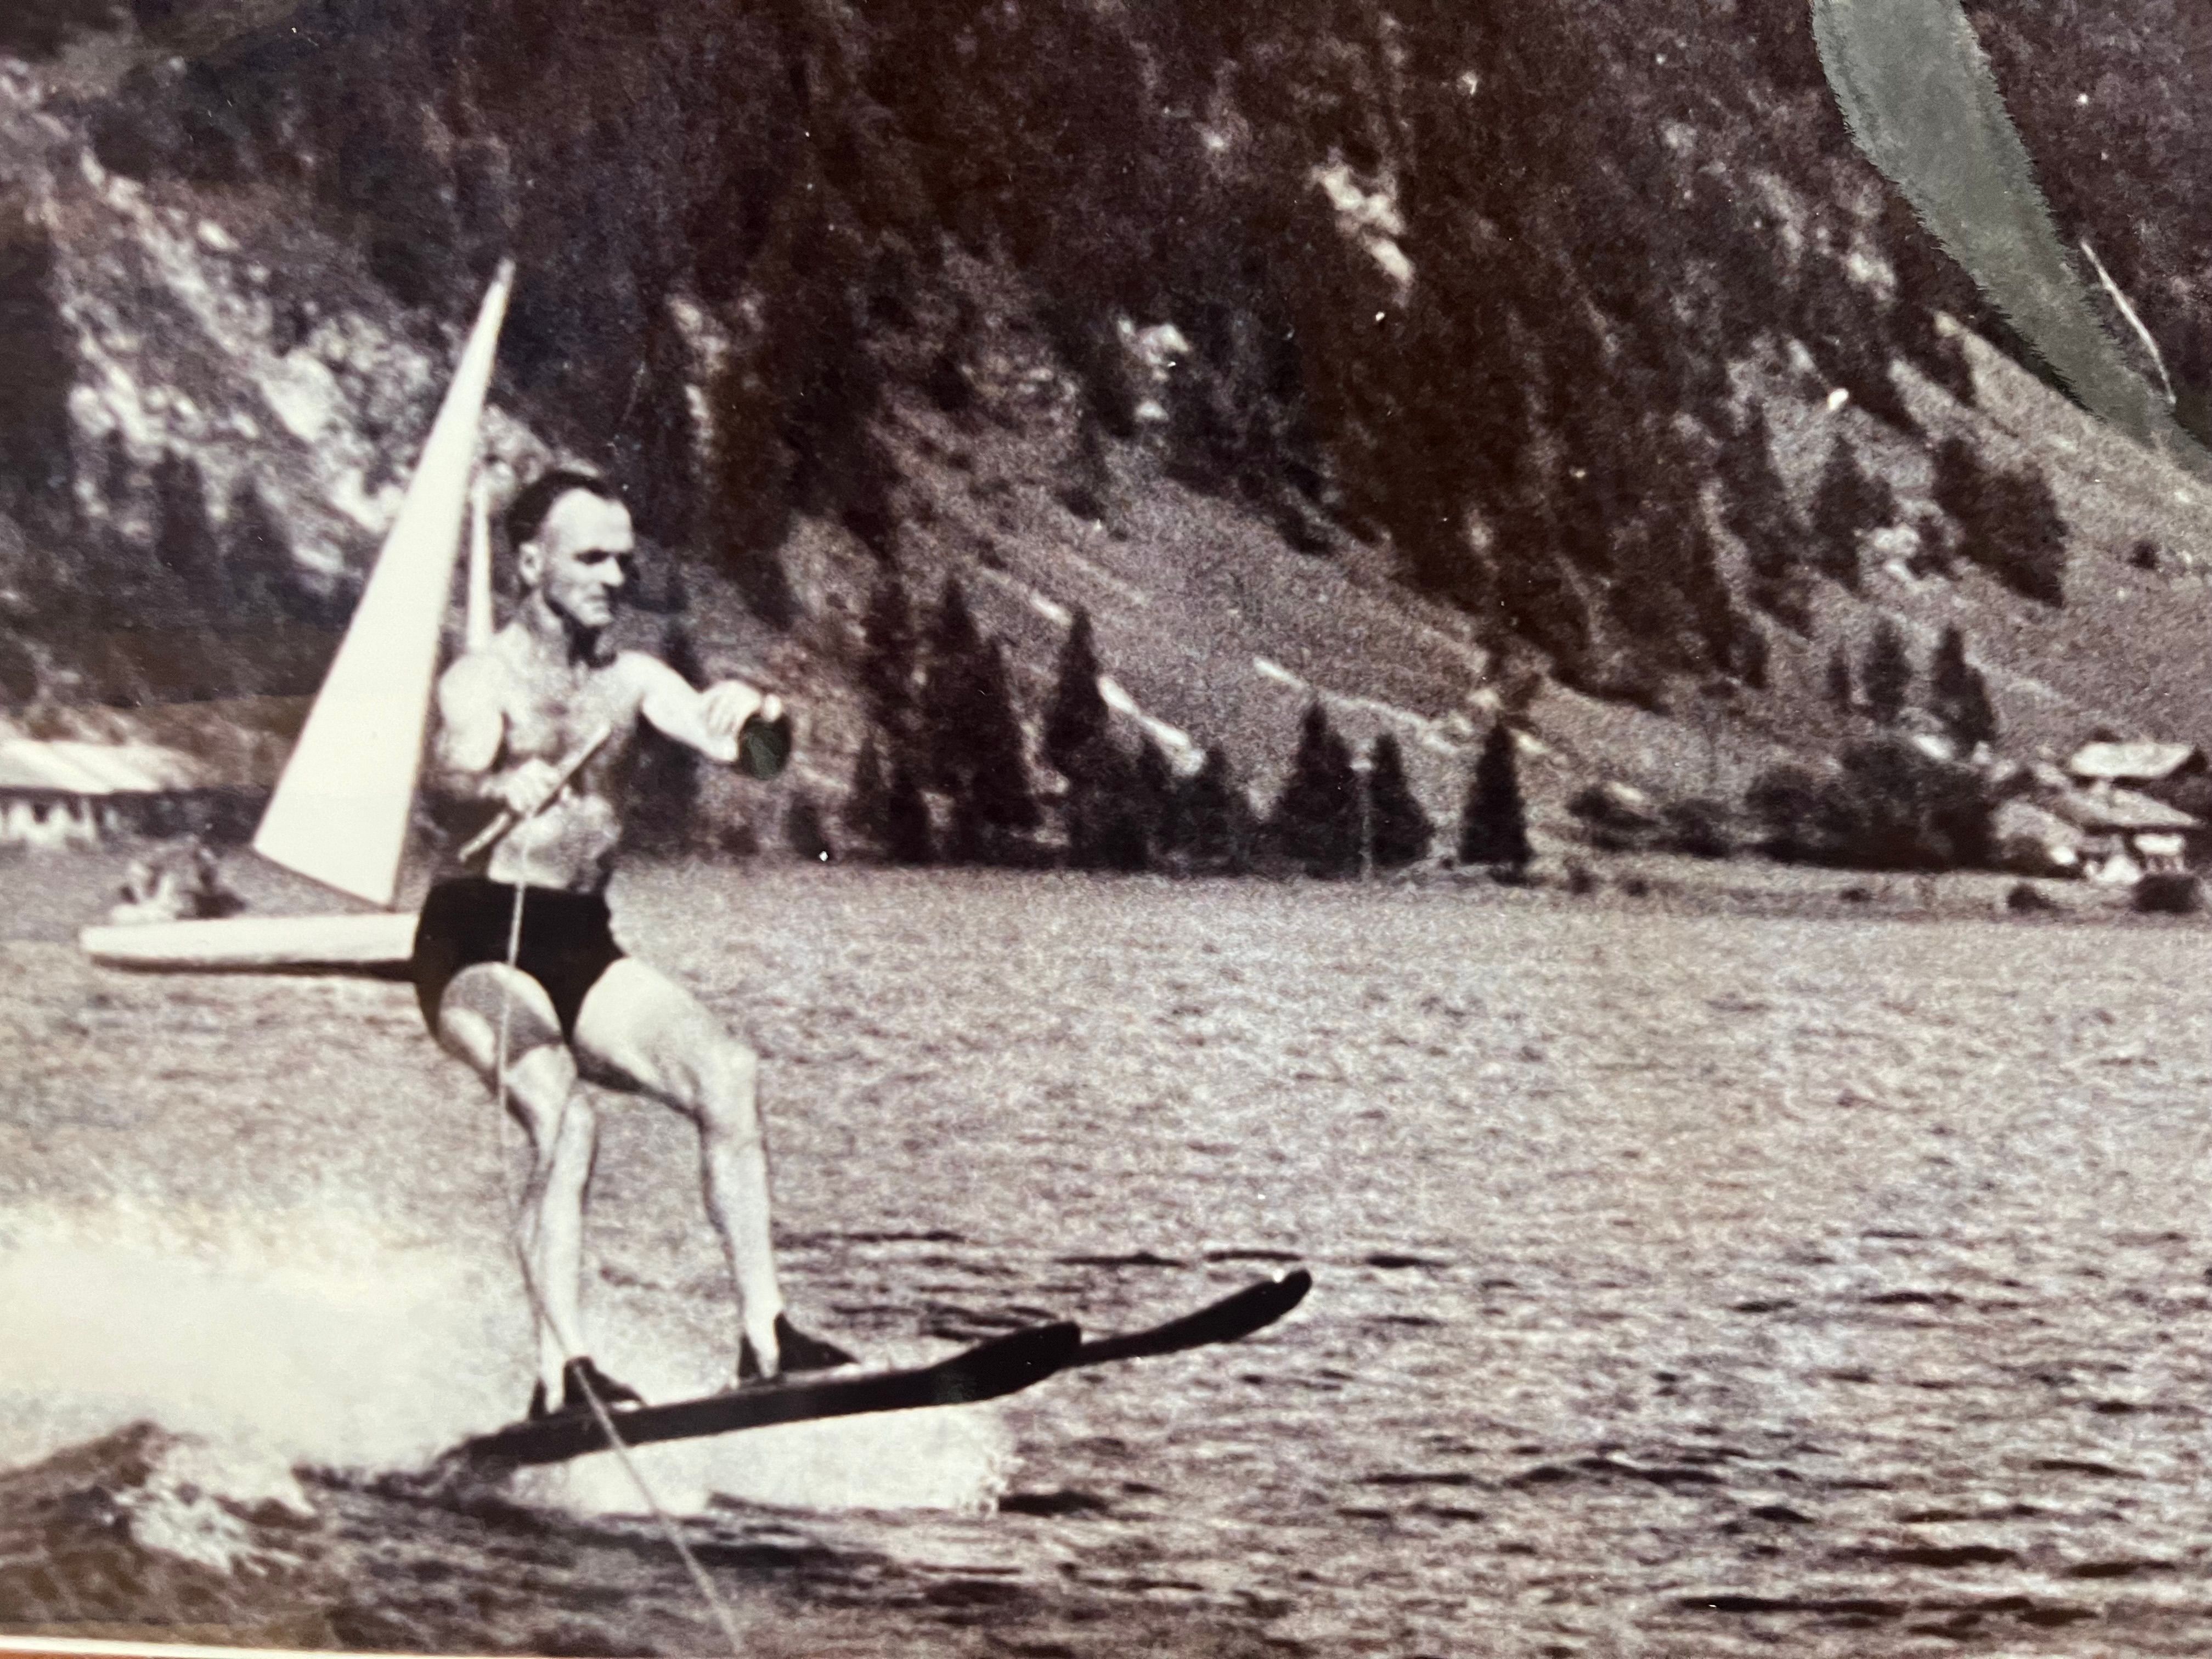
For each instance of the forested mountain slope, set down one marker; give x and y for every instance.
(1429, 360)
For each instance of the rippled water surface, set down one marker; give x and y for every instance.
(1695, 1284)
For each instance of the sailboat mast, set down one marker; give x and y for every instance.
(477, 631)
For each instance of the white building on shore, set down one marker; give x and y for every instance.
(61, 794)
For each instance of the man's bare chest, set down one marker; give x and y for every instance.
(552, 714)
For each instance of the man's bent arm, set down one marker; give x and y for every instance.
(471, 726)
(705, 720)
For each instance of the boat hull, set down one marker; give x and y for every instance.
(380, 939)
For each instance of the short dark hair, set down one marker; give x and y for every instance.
(525, 513)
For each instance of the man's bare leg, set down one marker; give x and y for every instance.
(640, 1031)
(563, 1131)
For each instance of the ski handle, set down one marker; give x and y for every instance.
(507, 822)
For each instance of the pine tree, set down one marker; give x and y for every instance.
(2009, 522)
(1882, 502)
(908, 837)
(257, 559)
(1847, 504)
(867, 813)
(749, 491)
(1749, 653)
(183, 535)
(1757, 512)
(998, 780)
(952, 631)
(949, 692)
(117, 473)
(971, 733)
(1317, 818)
(1957, 694)
(1960, 483)
(1399, 832)
(1977, 716)
(2032, 534)
(1160, 798)
(38, 363)
(1494, 825)
(887, 664)
(1109, 811)
(18, 672)
(1088, 480)
(1719, 626)
(19, 668)
(1220, 818)
(1947, 673)
(1841, 692)
(1887, 674)
(1077, 712)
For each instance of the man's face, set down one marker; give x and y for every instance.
(576, 559)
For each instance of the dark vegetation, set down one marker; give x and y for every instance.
(1886, 678)
(2008, 522)
(1887, 806)
(940, 707)
(1847, 504)
(1530, 416)
(1519, 375)
(1494, 828)
(1888, 802)
(1958, 697)
(664, 781)
(1317, 821)
(2170, 893)
(37, 27)
(1759, 515)
(1909, 789)
(1398, 828)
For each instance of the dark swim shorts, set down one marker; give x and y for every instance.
(567, 941)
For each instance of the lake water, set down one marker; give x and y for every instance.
(1684, 1284)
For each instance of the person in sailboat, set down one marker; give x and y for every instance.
(513, 718)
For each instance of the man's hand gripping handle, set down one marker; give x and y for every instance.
(498, 830)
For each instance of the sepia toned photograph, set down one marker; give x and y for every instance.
(1054, 828)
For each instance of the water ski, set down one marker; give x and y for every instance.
(1239, 1313)
(1001, 1365)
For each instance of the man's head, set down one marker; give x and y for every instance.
(571, 540)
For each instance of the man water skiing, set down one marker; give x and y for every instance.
(513, 718)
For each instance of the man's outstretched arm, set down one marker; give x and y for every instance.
(707, 721)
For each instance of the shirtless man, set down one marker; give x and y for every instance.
(509, 716)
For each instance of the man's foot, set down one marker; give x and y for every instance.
(575, 1377)
(796, 1351)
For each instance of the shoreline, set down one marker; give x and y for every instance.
(49, 896)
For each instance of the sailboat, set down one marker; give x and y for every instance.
(341, 810)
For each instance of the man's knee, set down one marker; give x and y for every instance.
(724, 1097)
(483, 998)
(540, 1093)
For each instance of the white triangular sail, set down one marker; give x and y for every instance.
(341, 811)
